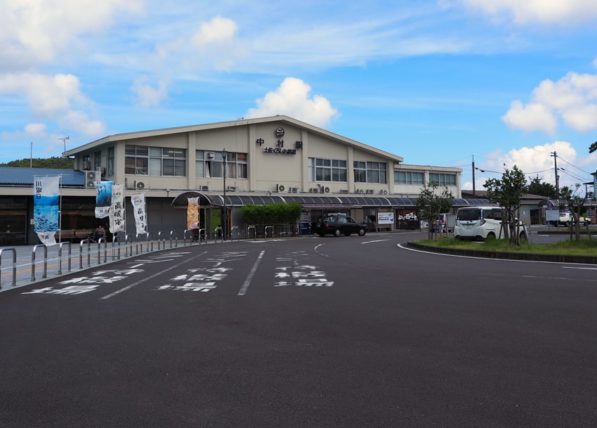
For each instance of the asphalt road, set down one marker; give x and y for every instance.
(303, 332)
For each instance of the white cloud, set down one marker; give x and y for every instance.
(572, 99)
(218, 30)
(81, 123)
(34, 32)
(147, 95)
(532, 117)
(292, 98)
(558, 12)
(537, 161)
(35, 129)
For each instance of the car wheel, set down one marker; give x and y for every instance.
(362, 232)
(522, 237)
(490, 236)
(337, 232)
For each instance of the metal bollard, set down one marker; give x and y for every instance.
(33, 254)
(114, 241)
(60, 256)
(99, 251)
(126, 245)
(171, 234)
(254, 229)
(202, 236)
(159, 240)
(14, 265)
(84, 241)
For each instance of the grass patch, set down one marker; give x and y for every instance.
(584, 247)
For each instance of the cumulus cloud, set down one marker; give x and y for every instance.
(567, 12)
(292, 98)
(218, 30)
(56, 96)
(147, 95)
(34, 32)
(35, 129)
(537, 161)
(572, 99)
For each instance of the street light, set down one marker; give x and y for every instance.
(225, 216)
(64, 142)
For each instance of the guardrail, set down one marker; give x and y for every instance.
(14, 265)
(136, 246)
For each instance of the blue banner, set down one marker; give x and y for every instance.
(103, 200)
(46, 206)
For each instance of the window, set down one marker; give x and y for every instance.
(155, 161)
(97, 161)
(442, 179)
(370, 172)
(110, 164)
(409, 177)
(327, 169)
(211, 164)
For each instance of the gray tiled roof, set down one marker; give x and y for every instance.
(10, 176)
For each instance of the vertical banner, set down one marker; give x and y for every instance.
(117, 220)
(138, 202)
(192, 213)
(46, 202)
(103, 200)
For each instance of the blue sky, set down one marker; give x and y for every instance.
(435, 81)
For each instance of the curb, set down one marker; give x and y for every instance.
(507, 256)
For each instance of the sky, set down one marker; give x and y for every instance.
(438, 82)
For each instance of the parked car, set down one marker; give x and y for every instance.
(566, 218)
(339, 224)
(483, 223)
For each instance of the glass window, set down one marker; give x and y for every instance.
(211, 164)
(442, 179)
(327, 169)
(155, 161)
(409, 177)
(370, 172)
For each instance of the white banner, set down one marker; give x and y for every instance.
(46, 201)
(117, 216)
(138, 202)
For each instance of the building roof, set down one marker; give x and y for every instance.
(11, 176)
(220, 125)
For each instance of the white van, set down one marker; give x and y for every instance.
(482, 223)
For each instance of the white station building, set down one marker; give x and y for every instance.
(251, 161)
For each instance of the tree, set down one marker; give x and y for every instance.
(53, 162)
(575, 204)
(507, 193)
(593, 147)
(539, 187)
(430, 204)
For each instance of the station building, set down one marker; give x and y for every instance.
(243, 162)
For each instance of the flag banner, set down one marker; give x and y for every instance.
(46, 204)
(103, 200)
(117, 220)
(138, 202)
(192, 213)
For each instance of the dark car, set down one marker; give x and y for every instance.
(339, 224)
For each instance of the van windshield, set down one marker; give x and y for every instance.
(469, 214)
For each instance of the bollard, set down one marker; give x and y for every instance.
(171, 234)
(99, 249)
(126, 245)
(254, 229)
(83, 241)
(114, 241)
(60, 256)
(234, 233)
(159, 240)
(202, 236)
(14, 265)
(33, 255)
(184, 238)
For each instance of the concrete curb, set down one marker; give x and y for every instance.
(507, 256)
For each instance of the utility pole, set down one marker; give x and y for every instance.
(31, 156)
(225, 226)
(64, 142)
(554, 154)
(474, 177)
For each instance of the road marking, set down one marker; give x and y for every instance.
(134, 284)
(581, 268)
(371, 242)
(484, 258)
(245, 286)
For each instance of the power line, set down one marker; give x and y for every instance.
(574, 166)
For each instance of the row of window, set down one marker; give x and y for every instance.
(418, 178)
(159, 161)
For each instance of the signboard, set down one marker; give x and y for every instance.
(385, 218)
(46, 201)
(552, 215)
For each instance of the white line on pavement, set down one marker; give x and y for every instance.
(582, 268)
(128, 287)
(371, 242)
(245, 286)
